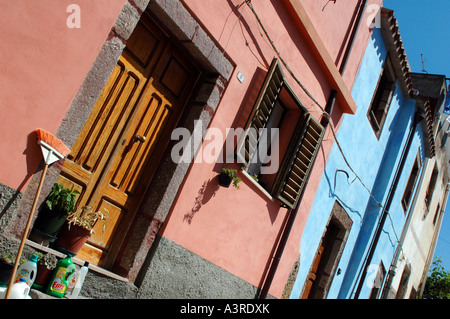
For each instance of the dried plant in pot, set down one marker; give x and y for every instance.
(77, 229)
(45, 266)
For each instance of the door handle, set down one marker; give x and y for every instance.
(140, 139)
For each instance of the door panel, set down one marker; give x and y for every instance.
(118, 150)
(112, 115)
(312, 276)
(131, 163)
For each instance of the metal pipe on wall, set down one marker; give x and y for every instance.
(362, 5)
(292, 213)
(418, 117)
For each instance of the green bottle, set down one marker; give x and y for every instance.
(58, 284)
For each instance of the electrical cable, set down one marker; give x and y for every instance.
(248, 2)
(235, 23)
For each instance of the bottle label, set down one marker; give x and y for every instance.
(72, 282)
(25, 274)
(58, 282)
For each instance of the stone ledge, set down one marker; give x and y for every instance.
(36, 294)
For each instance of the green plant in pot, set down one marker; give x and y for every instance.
(78, 228)
(228, 175)
(56, 208)
(45, 266)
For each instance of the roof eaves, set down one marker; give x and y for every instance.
(396, 49)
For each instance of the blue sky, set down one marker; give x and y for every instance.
(424, 27)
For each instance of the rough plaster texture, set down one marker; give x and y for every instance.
(101, 287)
(9, 201)
(186, 275)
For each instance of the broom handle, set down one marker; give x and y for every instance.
(25, 234)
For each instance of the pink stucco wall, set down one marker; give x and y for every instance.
(236, 229)
(332, 21)
(43, 63)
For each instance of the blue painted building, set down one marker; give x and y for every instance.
(370, 177)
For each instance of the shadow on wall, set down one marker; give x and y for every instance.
(206, 192)
(33, 157)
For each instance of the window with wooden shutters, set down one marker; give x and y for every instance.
(289, 131)
(261, 113)
(298, 162)
(382, 98)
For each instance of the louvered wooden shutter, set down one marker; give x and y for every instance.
(297, 164)
(262, 109)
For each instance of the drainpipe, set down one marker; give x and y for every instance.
(362, 5)
(292, 213)
(418, 117)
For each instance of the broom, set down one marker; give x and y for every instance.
(52, 150)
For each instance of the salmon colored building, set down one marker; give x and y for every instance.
(147, 95)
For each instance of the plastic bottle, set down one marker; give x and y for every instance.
(20, 290)
(79, 281)
(73, 280)
(28, 271)
(58, 284)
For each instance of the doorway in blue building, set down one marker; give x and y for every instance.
(328, 254)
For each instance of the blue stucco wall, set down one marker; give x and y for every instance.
(375, 162)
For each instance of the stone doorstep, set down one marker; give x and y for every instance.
(36, 294)
(76, 260)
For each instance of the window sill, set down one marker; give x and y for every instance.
(252, 180)
(77, 261)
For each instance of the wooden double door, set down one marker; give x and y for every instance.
(115, 156)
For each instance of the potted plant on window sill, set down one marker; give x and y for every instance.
(55, 210)
(228, 175)
(77, 229)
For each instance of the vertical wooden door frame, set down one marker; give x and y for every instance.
(343, 222)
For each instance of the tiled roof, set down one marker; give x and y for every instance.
(397, 53)
(429, 129)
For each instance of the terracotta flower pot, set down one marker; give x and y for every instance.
(70, 241)
(42, 277)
